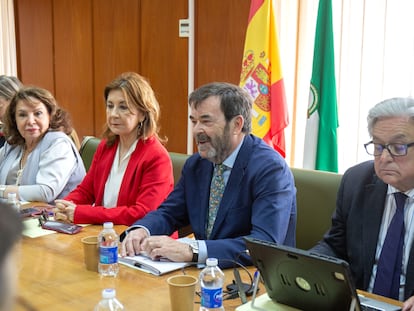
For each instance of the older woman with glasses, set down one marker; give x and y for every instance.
(373, 225)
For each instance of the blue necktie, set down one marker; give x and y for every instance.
(387, 280)
(216, 192)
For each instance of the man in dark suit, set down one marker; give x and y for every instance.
(259, 195)
(366, 204)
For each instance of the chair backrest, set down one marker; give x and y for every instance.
(87, 149)
(316, 202)
(178, 160)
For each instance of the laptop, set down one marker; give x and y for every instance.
(308, 281)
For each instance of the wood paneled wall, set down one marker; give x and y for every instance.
(75, 47)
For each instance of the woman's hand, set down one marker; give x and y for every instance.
(64, 210)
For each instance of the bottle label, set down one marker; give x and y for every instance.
(108, 254)
(211, 297)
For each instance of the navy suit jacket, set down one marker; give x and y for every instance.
(259, 201)
(356, 224)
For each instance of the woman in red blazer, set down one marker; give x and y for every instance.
(131, 172)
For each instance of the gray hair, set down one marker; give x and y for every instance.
(392, 107)
(9, 85)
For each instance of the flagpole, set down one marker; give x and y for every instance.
(190, 147)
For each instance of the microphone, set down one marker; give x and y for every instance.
(238, 288)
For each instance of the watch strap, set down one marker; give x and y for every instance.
(194, 248)
(195, 257)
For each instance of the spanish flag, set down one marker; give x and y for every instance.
(261, 76)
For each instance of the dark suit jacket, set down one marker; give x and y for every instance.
(356, 224)
(259, 201)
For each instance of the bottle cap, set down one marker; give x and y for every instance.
(108, 293)
(11, 195)
(108, 225)
(212, 262)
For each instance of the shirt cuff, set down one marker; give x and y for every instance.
(202, 253)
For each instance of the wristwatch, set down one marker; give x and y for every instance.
(2, 189)
(194, 248)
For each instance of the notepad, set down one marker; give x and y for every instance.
(155, 267)
(33, 230)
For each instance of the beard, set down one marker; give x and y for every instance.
(218, 147)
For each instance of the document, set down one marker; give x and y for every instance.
(155, 267)
(32, 229)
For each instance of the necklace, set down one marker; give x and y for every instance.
(22, 164)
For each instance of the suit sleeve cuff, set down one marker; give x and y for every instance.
(132, 228)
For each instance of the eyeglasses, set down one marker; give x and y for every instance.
(396, 150)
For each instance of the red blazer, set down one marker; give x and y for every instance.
(147, 181)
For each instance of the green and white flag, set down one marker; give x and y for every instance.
(321, 148)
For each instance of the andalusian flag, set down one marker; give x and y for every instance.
(321, 152)
(261, 75)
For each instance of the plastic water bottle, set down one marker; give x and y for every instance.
(109, 301)
(211, 283)
(12, 201)
(108, 250)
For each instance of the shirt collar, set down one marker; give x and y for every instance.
(391, 190)
(229, 161)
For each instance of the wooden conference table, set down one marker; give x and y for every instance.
(53, 277)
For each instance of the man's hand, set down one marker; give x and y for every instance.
(64, 210)
(138, 241)
(132, 244)
(409, 304)
(163, 246)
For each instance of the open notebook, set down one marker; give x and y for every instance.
(156, 267)
(308, 281)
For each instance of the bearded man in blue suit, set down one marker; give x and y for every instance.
(259, 198)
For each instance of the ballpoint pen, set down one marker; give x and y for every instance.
(147, 268)
(256, 279)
